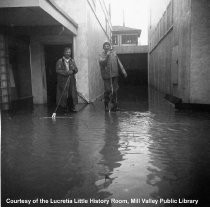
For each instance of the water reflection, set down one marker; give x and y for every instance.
(147, 151)
(133, 146)
(111, 155)
(179, 152)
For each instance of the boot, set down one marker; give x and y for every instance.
(106, 106)
(115, 107)
(73, 109)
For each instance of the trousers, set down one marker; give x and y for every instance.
(110, 90)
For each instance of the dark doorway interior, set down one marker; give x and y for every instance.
(136, 67)
(134, 89)
(19, 71)
(52, 54)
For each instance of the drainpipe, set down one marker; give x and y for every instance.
(4, 87)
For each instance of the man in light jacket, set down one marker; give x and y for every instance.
(110, 66)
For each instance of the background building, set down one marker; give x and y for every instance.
(122, 35)
(133, 56)
(179, 51)
(32, 37)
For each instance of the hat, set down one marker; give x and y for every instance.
(106, 43)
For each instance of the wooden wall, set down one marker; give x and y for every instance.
(160, 44)
(169, 49)
(200, 52)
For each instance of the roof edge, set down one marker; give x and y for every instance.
(62, 12)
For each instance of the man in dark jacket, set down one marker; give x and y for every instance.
(110, 66)
(66, 69)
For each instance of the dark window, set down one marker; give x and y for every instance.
(114, 40)
(129, 39)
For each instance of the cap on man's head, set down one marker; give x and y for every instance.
(106, 43)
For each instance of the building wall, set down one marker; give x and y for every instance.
(4, 90)
(169, 47)
(157, 8)
(15, 69)
(93, 30)
(39, 88)
(21, 66)
(179, 57)
(200, 56)
(160, 45)
(181, 49)
(99, 31)
(159, 74)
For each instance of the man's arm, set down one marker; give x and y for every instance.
(75, 69)
(103, 59)
(122, 69)
(60, 70)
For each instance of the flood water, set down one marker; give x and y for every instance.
(148, 150)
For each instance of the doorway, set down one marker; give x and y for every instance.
(133, 92)
(52, 54)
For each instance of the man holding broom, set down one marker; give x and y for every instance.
(110, 66)
(66, 97)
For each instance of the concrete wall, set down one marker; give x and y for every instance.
(200, 52)
(181, 40)
(98, 30)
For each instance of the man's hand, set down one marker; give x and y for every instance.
(70, 72)
(125, 75)
(108, 52)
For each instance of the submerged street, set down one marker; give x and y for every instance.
(147, 153)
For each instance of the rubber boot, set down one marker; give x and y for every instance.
(115, 107)
(106, 107)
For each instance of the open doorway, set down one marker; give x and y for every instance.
(133, 92)
(52, 54)
(19, 71)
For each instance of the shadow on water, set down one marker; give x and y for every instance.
(146, 151)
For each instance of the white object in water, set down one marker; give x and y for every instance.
(54, 116)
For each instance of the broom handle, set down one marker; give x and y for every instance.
(62, 94)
